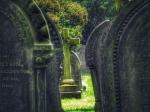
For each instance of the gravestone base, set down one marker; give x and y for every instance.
(68, 81)
(68, 89)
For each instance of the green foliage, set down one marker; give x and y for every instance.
(76, 13)
(98, 11)
(118, 4)
(108, 6)
(66, 14)
(80, 16)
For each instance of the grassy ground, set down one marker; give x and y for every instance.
(86, 103)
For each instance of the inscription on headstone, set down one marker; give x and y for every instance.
(15, 60)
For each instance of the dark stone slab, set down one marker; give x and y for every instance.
(131, 62)
(95, 59)
(103, 64)
(16, 76)
(23, 91)
(54, 70)
(53, 94)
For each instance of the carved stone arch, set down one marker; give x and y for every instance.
(48, 56)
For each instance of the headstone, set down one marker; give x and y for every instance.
(81, 54)
(29, 74)
(16, 76)
(102, 60)
(47, 59)
(76, 73)
(122, 61)
(54, 70)
(131, 62)
(75, 90)
(94, 54)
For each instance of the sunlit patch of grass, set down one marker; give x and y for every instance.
(86, 103)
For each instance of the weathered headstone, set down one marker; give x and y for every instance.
(67, 83)
(16, 75)
(47, 71)
(123, 62)
(27, 83)
(75, 89)
(106, 79)
(131, 62)
(94, 54)
(53, 78)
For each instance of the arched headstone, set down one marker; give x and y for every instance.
(94, 54)
(27, 56)
(131, 62)
(53, 78)
(16, 74)
(48, 68)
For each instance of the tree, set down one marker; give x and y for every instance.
(66, 14)
(98, 10)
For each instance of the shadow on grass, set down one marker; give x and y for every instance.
(80, 110)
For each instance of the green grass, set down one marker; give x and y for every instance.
(86, 103)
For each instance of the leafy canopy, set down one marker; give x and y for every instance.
(66, 14)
